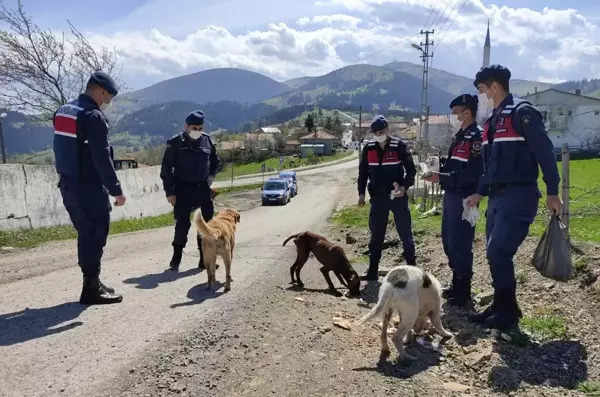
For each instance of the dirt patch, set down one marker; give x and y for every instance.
(242, 201)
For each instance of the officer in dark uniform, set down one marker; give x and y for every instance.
(459, 177)
(514, 142)
(387, 164)
(188, 169)
(85, 164)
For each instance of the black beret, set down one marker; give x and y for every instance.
(378, 123)
(105, 81)
(467, 100)
(195, 118)
(492, 72)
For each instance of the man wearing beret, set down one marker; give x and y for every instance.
(85, 164)
(188, 169)
(459, 177)
(515, 143)
(387, 165)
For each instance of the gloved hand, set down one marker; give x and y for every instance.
(470, 214)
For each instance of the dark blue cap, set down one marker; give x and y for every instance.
(378, 123)
(195, 118)
(467, 100)
(105, 81)
(492, 72)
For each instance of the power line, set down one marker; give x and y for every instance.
(449, 26)
(385, 49)
(442, 14)
(430, 13)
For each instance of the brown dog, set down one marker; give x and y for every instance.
(331, 256)
(218, 238)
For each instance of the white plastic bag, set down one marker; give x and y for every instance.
(430, 166)
(470, 214)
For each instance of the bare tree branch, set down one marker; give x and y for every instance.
(39, 70)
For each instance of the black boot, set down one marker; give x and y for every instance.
(93, 294)
(372, 274)
(507, 314)
(480, 318)
(106, 288)
(461, 293)
(448, 292)
(176, 259)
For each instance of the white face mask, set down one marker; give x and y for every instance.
(380, 138)
(105, 106)
(455, 122)
(195, 134)
(485, 107)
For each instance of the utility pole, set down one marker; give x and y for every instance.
(2, 146)
(425, 56)
(360, 122)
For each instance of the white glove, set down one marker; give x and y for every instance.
(470, 214)
(210, 180)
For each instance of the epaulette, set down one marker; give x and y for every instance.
(372, 142)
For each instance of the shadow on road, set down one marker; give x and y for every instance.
(151, 281)
(29, 324)
(326, 291)
(198, 294)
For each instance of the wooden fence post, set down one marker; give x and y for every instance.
(566, 180)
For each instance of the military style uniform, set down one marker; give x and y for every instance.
(459, 177)
(514, 142)
(85, 164)
(381, 167)
(188, 168)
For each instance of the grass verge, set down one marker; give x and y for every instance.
(590, 388)
(273, 163)
(545, 325)
(31, 238)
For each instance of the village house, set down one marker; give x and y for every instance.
(570, 117)
(320, 142)
(269, 130)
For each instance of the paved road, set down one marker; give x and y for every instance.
(52, 346)
(331, 169)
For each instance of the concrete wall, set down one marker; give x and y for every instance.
(30, 198)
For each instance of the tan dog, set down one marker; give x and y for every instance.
(416, 296)
(331, 256)
(218, 238)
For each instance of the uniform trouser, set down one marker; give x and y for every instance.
(457, 237)
(89, 210)
(378, 219)
(510, 213)
(188, 199)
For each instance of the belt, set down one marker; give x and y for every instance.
(496, 187)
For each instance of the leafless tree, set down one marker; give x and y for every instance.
(40, 70)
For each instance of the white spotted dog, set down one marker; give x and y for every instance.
(416, 296)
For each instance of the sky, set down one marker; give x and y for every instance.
(551, 41)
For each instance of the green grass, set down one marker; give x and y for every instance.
(591, 388)
(544, 325)
(585, 207)
(31, 238)
(273, 163)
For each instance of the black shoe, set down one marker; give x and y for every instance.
(176, 259)
(93, 294)
(480, 318)
(507, 315)
(448, 292)
(370, 276)
(461, 293)
(106, 288)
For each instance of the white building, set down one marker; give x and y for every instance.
(570, 118)
(487, 48)
(439, 132)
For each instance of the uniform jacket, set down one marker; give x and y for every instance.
(462, 169)
(81, 147)
(383, 167)
(188, 161)
(514, 143)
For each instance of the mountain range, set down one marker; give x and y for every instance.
(232, 97)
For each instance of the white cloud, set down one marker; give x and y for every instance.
(561, 43)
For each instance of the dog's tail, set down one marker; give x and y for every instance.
(201, 226)
(289, 238)
(382, 302)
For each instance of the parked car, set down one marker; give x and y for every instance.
(276, 191)
(291, 175)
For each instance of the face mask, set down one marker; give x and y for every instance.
(455, 122)
(485, 107)
(195, 134)
(380, 138)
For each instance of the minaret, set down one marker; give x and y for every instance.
(487, 47)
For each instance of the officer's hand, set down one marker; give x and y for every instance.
(361, 200)
(554, 204)
(120, 200)
(171, 200)
(398, 190)
(474, 199)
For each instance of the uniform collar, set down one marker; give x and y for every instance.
(88, 100)
(469, 127)
(506, 101)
